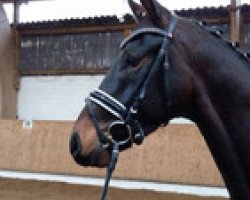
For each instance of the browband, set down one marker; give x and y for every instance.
(143, 31)
(152, 31)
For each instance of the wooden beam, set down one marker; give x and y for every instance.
(218, 20)
(235, 20)
(32, 32)
(17, 42)
(242, 32)
(96, 70)
(16, 16)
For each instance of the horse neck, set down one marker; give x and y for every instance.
(222, 74)
(222, 77)
(221, 86)
(218, 71)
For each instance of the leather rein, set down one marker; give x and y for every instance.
(127, 116)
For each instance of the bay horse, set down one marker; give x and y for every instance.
(171, 67)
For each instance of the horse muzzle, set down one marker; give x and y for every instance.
(98, 157)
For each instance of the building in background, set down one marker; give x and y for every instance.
(62, 60)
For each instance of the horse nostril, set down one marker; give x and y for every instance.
(75, 145)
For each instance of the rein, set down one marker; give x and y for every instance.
(127, 123)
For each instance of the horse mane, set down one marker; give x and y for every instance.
(235, 46)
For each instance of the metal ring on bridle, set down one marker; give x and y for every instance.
(122, 142)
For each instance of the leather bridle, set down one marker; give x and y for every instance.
(127, 117)
(126, 125)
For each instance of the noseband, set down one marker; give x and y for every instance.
(127, 126)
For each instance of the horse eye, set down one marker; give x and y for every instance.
(132, 60)
(143, 62)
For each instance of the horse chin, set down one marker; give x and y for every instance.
(99, 161)
(98, 157)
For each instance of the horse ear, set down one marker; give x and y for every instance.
(138, 11)
(157, 12)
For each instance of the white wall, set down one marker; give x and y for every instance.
(56, 97)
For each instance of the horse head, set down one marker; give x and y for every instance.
(135, 79)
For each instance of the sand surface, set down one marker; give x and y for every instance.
(12, 189)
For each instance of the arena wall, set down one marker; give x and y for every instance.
(175, 154)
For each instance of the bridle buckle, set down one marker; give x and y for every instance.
(133, 110)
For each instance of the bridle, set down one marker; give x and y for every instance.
(126, 129)
(126, 116)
